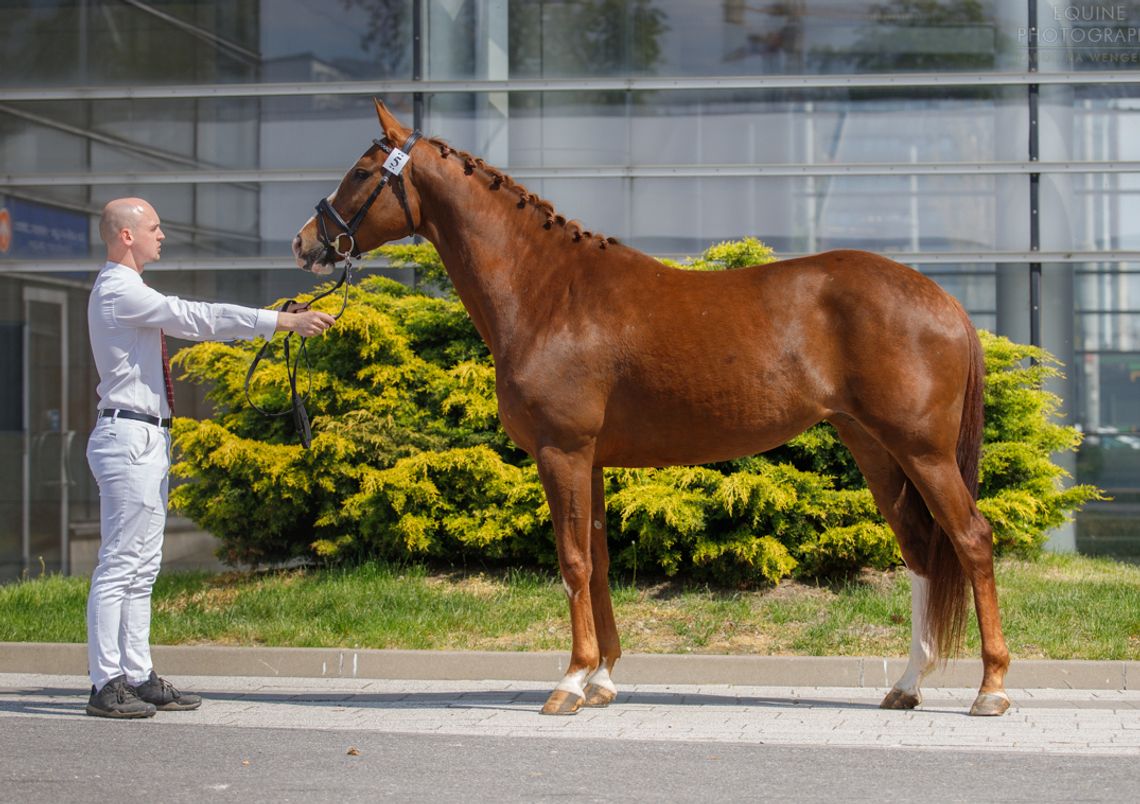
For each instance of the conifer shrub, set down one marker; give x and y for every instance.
(408, 460)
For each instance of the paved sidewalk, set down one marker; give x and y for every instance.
(1090, 722)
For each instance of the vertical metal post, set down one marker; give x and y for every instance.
(1034, 187)
(26, 463)
(417, 74)
(418, 62)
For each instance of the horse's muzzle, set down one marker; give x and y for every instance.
(314, 259)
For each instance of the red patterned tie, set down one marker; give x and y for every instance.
(166, 374)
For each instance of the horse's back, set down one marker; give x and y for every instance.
(858, 275)
(808, 302)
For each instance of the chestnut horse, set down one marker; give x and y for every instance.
(606, 357)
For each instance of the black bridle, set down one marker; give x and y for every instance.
(391, 173)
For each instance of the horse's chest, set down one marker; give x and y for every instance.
(546, 400)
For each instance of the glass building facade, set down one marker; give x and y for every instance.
(998, 156)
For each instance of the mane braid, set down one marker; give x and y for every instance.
(500, 180)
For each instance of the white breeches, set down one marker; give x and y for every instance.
(131, 463)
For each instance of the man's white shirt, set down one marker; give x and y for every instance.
(126, 319)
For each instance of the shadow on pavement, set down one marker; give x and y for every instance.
(16, 700)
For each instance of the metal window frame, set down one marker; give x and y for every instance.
(772, 169)
(540, 85)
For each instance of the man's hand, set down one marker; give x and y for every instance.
(303, 321)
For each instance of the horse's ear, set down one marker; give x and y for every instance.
(388, 123)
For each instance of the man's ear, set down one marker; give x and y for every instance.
(391, 127)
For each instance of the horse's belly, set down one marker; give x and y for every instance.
(662, 437)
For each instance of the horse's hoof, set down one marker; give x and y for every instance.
(598, 696)
(562, 702)
(990, 704)
(899, 699)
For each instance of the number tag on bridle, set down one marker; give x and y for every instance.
(395, 161)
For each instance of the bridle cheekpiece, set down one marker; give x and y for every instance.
(391, 171)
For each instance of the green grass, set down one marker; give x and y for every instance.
(1058, 607)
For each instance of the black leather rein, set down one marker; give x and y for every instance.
(391, 171)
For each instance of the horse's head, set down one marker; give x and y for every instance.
(372, 205)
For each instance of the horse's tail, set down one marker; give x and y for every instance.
(946, 604)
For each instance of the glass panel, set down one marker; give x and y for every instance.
(1096, 210)
(1108, 306)
(971, 284)
(880, 213)
(1106, 397)
(578, 38)
(48, 443)
(1108, 390)
(119, 43)
(750, 127)
(350, 40)
(183, 42)
(11, 430)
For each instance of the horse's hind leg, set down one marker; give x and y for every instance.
(952, 505)
(600, 689)
(906, 692)
(887, 483)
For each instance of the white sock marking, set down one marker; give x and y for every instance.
(921, 651)
(573, 683)
(601, 678)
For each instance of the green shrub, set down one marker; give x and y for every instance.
(1021, 489)
(408, 459)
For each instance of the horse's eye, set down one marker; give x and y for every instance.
(360, 174)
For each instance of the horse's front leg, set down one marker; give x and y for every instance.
(600, 689)
(566, 477)
(905, 694)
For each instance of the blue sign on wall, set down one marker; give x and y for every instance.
(38, 231)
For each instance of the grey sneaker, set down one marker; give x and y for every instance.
(118, 699)
(166, 696)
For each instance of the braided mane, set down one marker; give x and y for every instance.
(500, 180)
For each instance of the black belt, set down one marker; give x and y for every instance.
(113, 413)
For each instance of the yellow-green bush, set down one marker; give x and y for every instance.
(408, 459)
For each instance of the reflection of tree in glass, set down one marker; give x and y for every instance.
(773, 31)
(911, 35)
(926, 35)
(586, 37)
(127, 43)
(387, 33)
(22, 51)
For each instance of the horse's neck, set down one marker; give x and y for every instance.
(486, 244)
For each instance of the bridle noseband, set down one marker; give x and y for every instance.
(392, 171)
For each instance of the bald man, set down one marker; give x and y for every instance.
(129, 449)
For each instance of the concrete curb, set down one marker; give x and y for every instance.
(643, 668)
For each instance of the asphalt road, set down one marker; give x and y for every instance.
(96, 761)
